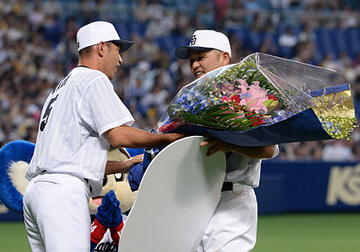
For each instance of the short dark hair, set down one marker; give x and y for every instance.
(87, 50)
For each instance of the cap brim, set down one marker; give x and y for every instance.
(182, 52)
(124, 44)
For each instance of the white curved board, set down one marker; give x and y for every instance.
(176, 199)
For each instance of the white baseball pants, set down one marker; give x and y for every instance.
(233, 226)
(56, 213)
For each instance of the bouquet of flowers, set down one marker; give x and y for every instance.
(264, 100)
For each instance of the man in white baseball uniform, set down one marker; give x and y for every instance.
(234, 224)
(80, 119)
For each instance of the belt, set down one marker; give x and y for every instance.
(227, 186)
(87, 182)
(85, 179)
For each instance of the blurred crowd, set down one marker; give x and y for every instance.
(37, 48)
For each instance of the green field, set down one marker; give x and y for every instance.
(309, 233)
(276, 233)
(13, 237)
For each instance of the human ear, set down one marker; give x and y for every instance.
(101, 47)
(226, 57)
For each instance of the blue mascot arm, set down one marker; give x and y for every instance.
(136, 172)
(108, 216)
(109, 205)
(15, 151)
(135, 175)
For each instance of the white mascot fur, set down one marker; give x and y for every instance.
(14, 161)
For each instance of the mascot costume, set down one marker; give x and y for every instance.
(108, 210)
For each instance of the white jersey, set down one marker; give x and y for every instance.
(75, 115)
(233, 226)
(244, 170)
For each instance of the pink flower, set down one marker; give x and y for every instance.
(227, 89)
(255, 98)
(242, 83)
(242, 86)
(225, 98)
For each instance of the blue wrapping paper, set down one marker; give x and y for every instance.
(304, 126)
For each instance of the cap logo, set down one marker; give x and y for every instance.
(193, 40)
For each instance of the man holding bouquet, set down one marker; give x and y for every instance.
(233, 226)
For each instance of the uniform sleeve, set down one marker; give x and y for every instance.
(243, 169)
(276, 152)
(103, 109)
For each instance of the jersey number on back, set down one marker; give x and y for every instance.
(46, 115)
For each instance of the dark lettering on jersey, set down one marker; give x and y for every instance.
(46, 115)
(105, 247)
(61, 84)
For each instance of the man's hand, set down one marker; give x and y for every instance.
(132, 161)
(114, 166)
(215, 145)
(176, 136)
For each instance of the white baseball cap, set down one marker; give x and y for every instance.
(100, 31)
(205, 40)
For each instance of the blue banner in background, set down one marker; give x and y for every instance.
(309, 187)
(297, 187)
